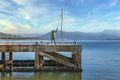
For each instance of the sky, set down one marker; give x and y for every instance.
(42, 16)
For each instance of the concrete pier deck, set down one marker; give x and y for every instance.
(41, 51)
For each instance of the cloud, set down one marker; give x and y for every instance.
(25, 10)
(113, 2)
(6, 7)
(30, 9)
(37, 16)
(22, 2)
(77, 2)
(98, 26)
(8, 27)
(42, 15)
(4, 4)
(117, 18)
(34, 16)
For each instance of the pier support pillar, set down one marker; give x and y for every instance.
(11, 61)
(37, 57)
(76, 56)
(36, 60)
(39, 61)
(3, 59)
(7, 63)
(11, 56)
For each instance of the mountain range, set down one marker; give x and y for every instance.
(105, 35)
(5, 36)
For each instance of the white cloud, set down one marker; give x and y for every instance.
(4, 4)
(40, 16)
(30, 10)
(6, 7)
(117, 18)
(22, 2)
(43, 17)
(8, 27)
(24, 11)
(99, 27)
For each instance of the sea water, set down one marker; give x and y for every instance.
(100, 61)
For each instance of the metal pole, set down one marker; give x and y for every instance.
(61, 21)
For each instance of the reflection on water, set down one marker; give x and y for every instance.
(41, 76)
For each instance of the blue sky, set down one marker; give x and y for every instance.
(42, 16)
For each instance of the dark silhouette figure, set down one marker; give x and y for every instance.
(53, 36)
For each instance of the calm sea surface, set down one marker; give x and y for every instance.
(100, 61)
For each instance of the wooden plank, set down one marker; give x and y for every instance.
(58, 59)
(32, 48)
(56, 54)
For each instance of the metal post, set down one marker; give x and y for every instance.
(61, 22)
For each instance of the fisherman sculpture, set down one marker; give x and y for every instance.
(53, 36)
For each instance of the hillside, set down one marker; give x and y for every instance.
(105, 35)
(4, 35)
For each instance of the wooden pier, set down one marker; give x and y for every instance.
(57, 62)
